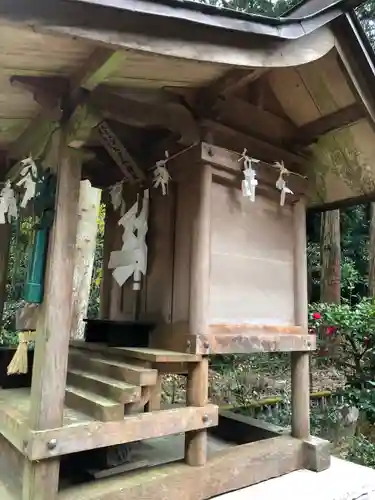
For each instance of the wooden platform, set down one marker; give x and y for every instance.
(81, 432)
(226, 470)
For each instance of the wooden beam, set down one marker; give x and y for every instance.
(52, 343)
(100, 65)
(226, 471)
(233, 139)
(92, 435)
(139, 113)
(335, 121)
(126, 163)
(251, 119)
(244, 80)
(247, 339)
(227, 84)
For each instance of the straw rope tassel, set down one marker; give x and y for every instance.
(19, 363)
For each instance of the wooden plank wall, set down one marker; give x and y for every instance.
(157, 290)
(251, 260)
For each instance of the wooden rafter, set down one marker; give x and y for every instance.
(170, 115)
(245, 79)
(248, 118)
(341, 118)
(99, 66)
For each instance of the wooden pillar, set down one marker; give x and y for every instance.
(197, 395)
(5, 236)
(197, 378)
(40, 480)
(300, 360)
(200, 250)
(154, 402)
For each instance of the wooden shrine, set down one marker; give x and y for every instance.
(204, 249)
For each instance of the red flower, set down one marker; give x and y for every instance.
(331, 330)
(366, 341)
(317, 316)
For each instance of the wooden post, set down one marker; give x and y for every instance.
(197, 378)
(197, 395)
(5, 236)
(200, 251)
(154, 402)
(52, 345)
(300, 360)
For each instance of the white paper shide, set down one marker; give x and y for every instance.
(29, 175)
(131, 260)
(249, 182)
(8, 204)
(281, 182)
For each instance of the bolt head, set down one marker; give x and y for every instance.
(52, 443)
(206, 345)
(205, 419)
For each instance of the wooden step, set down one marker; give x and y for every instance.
(106, 387)
(158, 355)
(94, 363)
(145, 354)
(93, 405)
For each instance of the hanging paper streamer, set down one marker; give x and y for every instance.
(281, 182)
(116, 196)
(161, 175)
(131, 260)
(29, 176)
(8, 204)
(249, 183)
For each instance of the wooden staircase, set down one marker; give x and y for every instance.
(101, 385)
